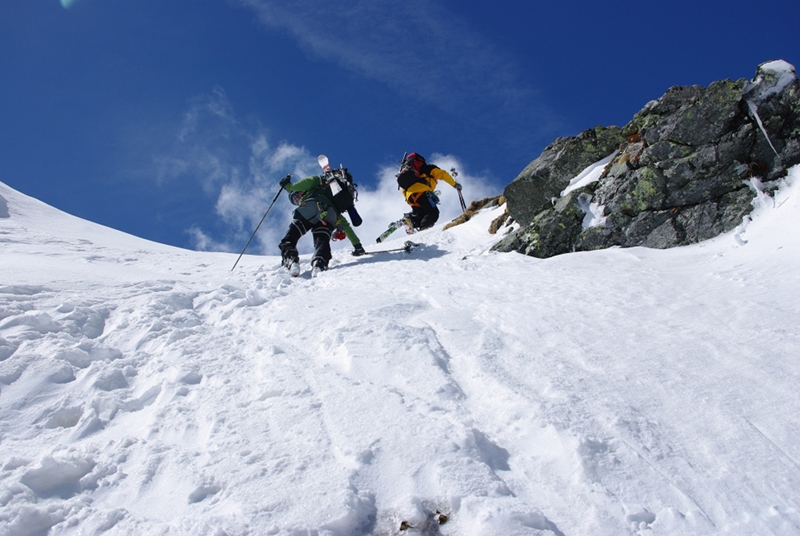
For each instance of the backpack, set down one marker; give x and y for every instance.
(342, 188)
(410, 170)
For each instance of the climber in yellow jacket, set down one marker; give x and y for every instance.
(417, 179)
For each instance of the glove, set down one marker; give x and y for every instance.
(286, 180)
(358, 250)
(338, 234)
(458, 186)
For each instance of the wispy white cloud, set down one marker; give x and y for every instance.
(202, 241)
(417, 48)
(234, 162)
(213, 107)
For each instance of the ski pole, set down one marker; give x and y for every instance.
(259, 224)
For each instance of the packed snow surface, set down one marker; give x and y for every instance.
(149, 390)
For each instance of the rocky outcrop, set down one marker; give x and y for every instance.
(545, 178)
(686, 169)
(475, 207)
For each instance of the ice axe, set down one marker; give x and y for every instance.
(454, 174)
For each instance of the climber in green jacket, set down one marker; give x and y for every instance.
(315, 212)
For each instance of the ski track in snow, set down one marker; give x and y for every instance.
(149, 390)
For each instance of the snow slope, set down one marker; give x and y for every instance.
(148, 390)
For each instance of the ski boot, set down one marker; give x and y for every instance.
(317, 266)
(409, 225)
(292, 265)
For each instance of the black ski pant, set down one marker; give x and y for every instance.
(424, 212)
(322, 241)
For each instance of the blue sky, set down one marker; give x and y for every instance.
(174, 120)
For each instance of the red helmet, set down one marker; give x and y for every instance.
(414, 160)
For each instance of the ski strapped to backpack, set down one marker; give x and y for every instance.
(342, 189)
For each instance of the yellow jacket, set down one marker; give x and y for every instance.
(432, 176)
